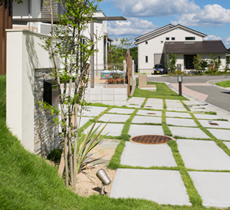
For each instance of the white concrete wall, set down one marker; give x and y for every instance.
(24, 55)
(156, 45)
(222, 59)
(109, 96)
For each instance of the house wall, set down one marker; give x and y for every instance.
(37, 11)
(180, 60)
(24, 55)
(156, 45)
(222, 59)
(23, 11)
(100, 30)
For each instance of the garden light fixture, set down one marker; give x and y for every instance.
(101, 174)
(180, 80)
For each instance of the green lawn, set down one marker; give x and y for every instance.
(28, 182)
(224, 83)
(163, 92)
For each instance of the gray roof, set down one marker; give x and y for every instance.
(195, 47)
(163, 30)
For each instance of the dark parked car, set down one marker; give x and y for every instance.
(158, 69)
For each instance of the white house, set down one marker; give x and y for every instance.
(180, 40)
(36, 9)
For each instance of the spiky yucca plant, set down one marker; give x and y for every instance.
(87, 143)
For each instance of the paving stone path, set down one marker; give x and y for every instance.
(157, 176)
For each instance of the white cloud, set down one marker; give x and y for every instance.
(133, 26)
(155, 8)
(212, 37)
(211, 15)
(227, 41)
(186, 11)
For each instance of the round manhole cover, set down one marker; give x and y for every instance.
(151, 139)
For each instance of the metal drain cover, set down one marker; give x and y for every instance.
(151, 139)
(211, 123)
(151, 113)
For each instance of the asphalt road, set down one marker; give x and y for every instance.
(189, 79)
(217, 96)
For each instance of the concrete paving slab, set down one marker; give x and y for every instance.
(203, 155)
(135, 102)
(142, 119)
(84, 120)
(191, 103)
(213, 187)
(114, 118)
(136, 130)
(156, 106)
(93, 110)
(198, 110)
(172, 101)
(175, 103)
(178, 114)
(220, 124)
(188, 132)
(147, 155)
(227, 144)
(103, 152)
(161, 186)
(154, 103)
(112, 129)
(121, 111)
(220, 134)
(207, 116)
(179, 109)
(149, 113)
(181, 122)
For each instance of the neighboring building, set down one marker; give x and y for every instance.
(36, 9)
(180, 40)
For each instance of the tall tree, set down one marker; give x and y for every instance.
(69, 42)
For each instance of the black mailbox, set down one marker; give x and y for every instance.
(51, 93)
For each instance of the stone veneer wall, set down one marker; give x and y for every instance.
(46, 135)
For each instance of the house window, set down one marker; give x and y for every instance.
(173, 38)
(189, 38)
(146, 42)
(146, 59)
(167, 38)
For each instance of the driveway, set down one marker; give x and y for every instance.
(192, 170)
(199, 87)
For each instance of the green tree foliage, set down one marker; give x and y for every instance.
(197, 62)
(203, 64)
(171, 61)
(214, 63)
(134, 53)
(68, 43)
(117, 53)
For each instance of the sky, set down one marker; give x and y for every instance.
(210, 17)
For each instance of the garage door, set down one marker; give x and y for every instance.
(159, 59)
